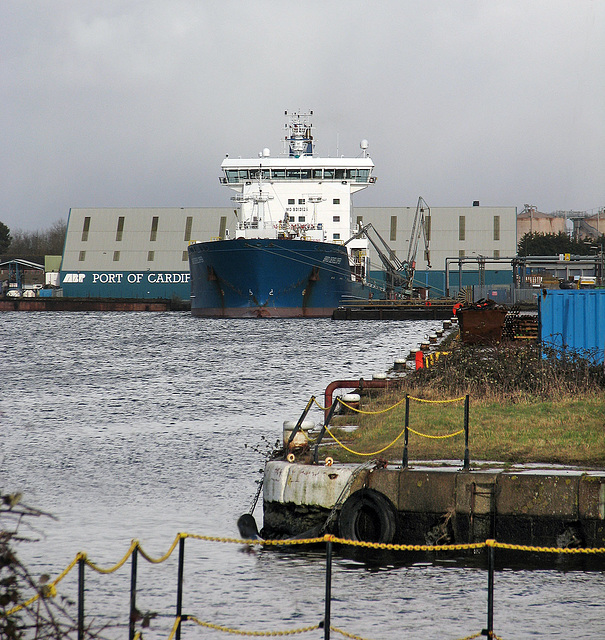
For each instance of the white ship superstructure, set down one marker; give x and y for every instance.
(298, 195)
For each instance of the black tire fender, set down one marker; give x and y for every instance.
(368, 516)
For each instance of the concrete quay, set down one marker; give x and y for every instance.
(547, 507)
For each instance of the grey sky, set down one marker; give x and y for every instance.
(135, 103)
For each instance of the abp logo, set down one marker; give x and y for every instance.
(73, 278)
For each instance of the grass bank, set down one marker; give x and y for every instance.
(524, 408)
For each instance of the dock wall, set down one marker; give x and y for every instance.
(545, 508)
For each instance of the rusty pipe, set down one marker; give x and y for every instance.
(351, 384)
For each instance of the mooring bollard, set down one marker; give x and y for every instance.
(81, 567)
(328, 589)
(133, 593)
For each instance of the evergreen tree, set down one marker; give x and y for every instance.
(5, 238)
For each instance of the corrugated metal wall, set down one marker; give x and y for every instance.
(574, 319)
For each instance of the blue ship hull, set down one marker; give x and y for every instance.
(269, 278)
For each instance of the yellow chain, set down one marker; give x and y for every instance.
(322, 408)
(359, 453)
(346, 634)
(94, 567)
(239, 632)
(371, 413)
(166, 555)
(426, 435)
(437, 401)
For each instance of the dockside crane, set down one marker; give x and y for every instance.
(400, 274)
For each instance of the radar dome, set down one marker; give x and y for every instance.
(266, 153)
(363, 144)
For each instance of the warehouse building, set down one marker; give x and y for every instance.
(142, 252)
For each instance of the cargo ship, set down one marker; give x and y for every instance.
(286, 255)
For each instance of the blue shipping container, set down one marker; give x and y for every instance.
(575, 320)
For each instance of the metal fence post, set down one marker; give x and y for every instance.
(323, 429)
(179, 589)
(133, 593)
(404, 462)
(467, 460)
(328, 589)
(491, 557)
(81, 567)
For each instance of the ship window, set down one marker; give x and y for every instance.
(336, 236)
(496, 227)
(328, 174)
(85, 228)
(291, 218)
(116, 256)
(393, 235)
(266, 174)
(82, 256)
(335, 218)
(461, 227)
(278, 174)
(185, 256)
(336, 201)
(243, 173)
(305, 174)
(301, 218)
(120, 229)
(301, 201)
(351, 174)
(339, 174)
(188, 225)
(317, 174)
(362, 175)
(154, 229)
(291, 201)
(254, 174)
(150, 256)
(231, 175)
(292, 174)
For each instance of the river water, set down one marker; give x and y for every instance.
(145, 425)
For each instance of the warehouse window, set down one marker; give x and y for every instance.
(335, 218)
(336, 236)
(496, 227)
(461, 253)
(336, 201)
(301, 201)
(185, 256)
(120, 229)
(82, 256)
(150, 256)
(301, 218)
(116, 256)
(393, 228)
(85, 228)
(291, 201)
(496, 253)
(461, 227)
(360, 221)
(188, 225)
(154, 229)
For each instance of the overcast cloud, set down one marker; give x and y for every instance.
(127, 103)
